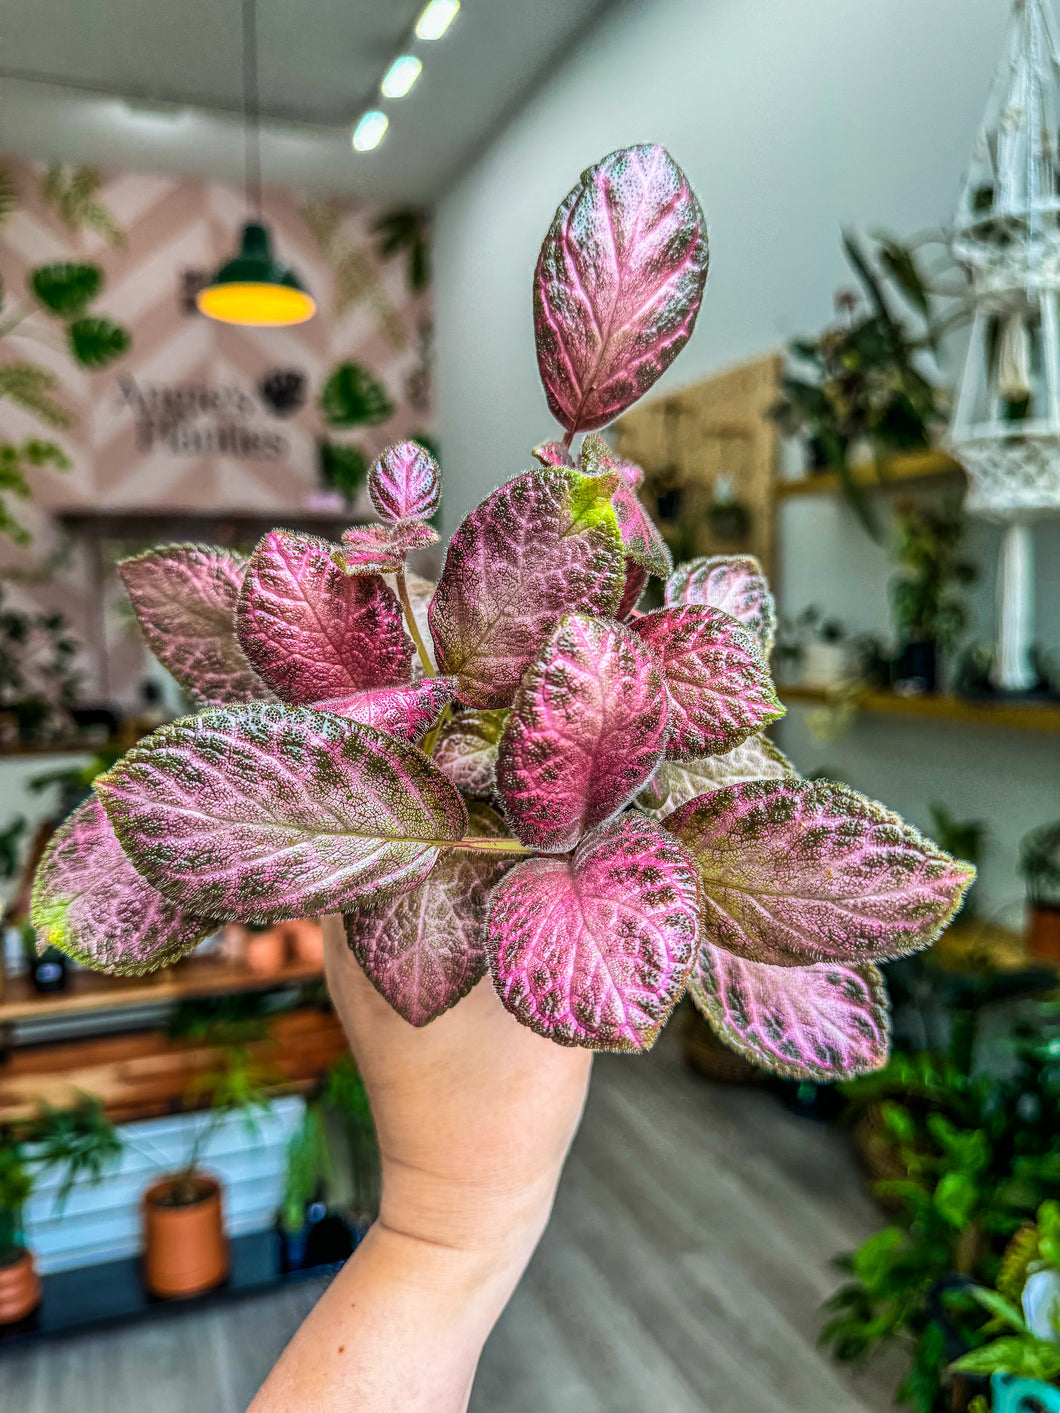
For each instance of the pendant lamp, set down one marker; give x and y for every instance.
(254, 288)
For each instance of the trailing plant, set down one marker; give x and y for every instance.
(648, 836)
(925, 598)
(861, 379)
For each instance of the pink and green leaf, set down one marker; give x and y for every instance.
(545, 544)
(618, 285)
(641, 537)
(381, 549)
(677, 782)
(425, 949)
(636, 579)
(553, 454)
(719, 684)
(90, 902)
(824, 1022)
(405, 483)
(271, 812)
(735, 585)
(587, 729)
(466, 751)
(796, 872)
(594, 948)
(185, 599)
(406, 713)
(314, 632)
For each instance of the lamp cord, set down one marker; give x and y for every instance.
(251, 106)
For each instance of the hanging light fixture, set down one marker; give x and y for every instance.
(254, 287)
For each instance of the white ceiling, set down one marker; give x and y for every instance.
(157, 84)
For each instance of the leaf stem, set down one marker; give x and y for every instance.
(410, 621)
(496, 846)
(428, 743)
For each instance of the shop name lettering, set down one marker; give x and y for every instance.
(200, 419)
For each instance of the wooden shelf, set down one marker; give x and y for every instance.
(898, 471)
(148, 523)
(1009, 715)
(91, 991)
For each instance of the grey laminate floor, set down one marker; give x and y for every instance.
(681, 1273)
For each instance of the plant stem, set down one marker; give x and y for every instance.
(432, 735)
(413, 627)
(568, 437)
(495, 846)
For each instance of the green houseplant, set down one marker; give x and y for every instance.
(926, 604)
(1040, 866)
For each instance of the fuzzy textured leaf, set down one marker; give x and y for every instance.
(824, 1022)
(424, 950)
(185, 598)
(405, 483)
(677, 782)
(719, 685)
(618, 285)
(545, 544)
(381, 549)
(640, 535)
(406, 713)
(587, 729)
(796, 872)
(553, 454)
(594, 948)
(271, 812)
(636, 579)
(734, 584)
(314, 632)
(466, 751)
(90, 902)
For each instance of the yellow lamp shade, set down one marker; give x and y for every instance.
(255, 289)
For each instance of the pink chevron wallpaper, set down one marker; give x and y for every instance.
(200, 415)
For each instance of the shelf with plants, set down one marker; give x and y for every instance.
(1008, 715)
(891, 473)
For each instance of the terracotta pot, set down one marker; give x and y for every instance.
(20, 1289)
(306, 940)
(1043, 931)
(185, 1250)
(265, 952)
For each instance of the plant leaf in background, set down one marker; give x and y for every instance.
(8, 193)
(796, 873)
(351, 397)
(95, 341)
(640, 535)
(15, 459)
(342, 468)
(545, 544)
(270, 812)
(719, 686)
(406, 231)
(406, 713)
(733, 584)
(823, 1022)
(66, 288)
(90, 902)
(404, 483)
(185, 599)
(72, 191)
(314, 632)
(618, 285)
(587, 729)
(466, 751)
(594, 948)
(30, 387)
(675, 783)
(424, 950)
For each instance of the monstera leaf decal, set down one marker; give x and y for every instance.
(351, 397)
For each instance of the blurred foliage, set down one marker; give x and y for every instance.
(38, 683)
(66, 287)
(343, 468)
(406, 232)
(1040, 862)
(352, 397)
(925, 598)
(15, 459)
(73, 192)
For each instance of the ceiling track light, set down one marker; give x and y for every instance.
(370, 130)
(400, 77)
(435, 18)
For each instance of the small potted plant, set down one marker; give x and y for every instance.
(78, 1142)
(928, 611)
(1040, 866)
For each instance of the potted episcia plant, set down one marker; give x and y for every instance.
(1040, 866)
(77, 1142)
(566, 795)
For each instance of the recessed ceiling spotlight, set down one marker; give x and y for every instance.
(400, 76)
(370, 129)
(436, 18)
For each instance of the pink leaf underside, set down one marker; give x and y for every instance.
(719, 685)
(312, 631)
(636, 578)
(381, 549)
(825, 1022)
(271, 812)
(466, 751)
(545, 544)
(641, 537)
(587, 730)
(90, 902)
(553, 454)
(618, 285)
(594, 948)
(735, 585)
(406, 713)
(424, 950)
(185, 599)
(677, 782)
(405, 483)
(796, 872)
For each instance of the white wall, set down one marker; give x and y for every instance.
(792, 118)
